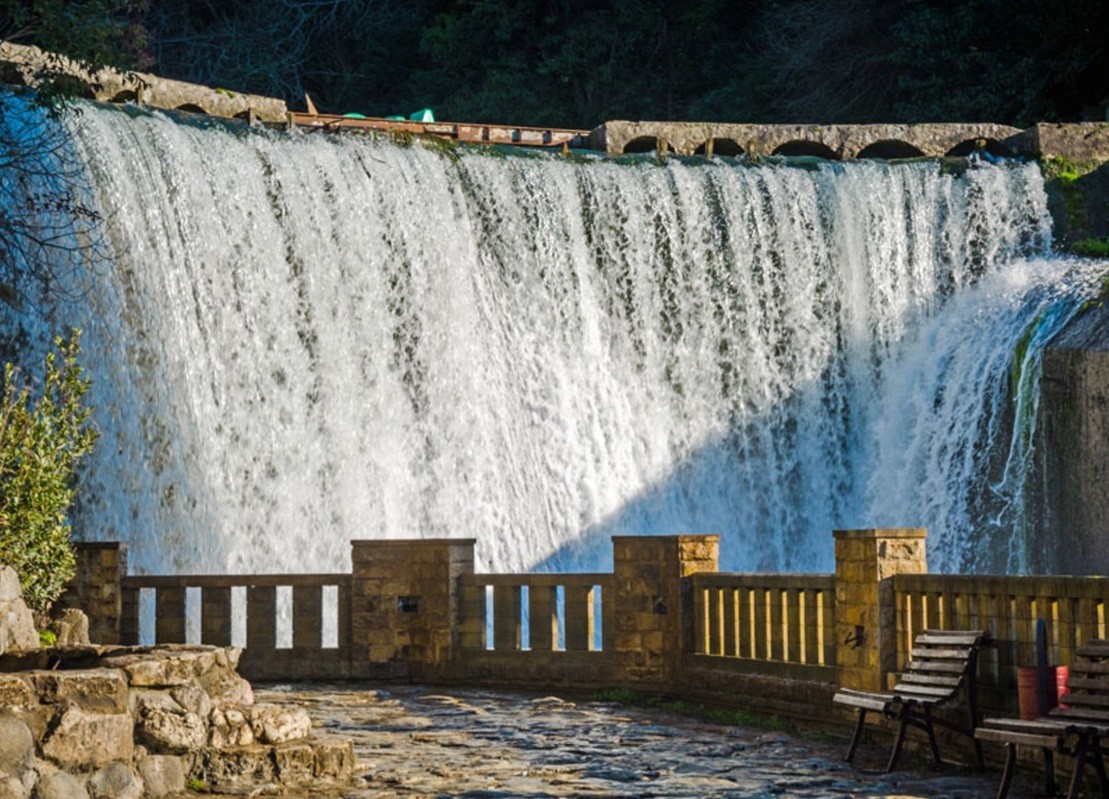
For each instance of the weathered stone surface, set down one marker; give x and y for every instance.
(71, 626)
(162, 775)
(228, 689)
(193, 698)
(294, 763)
(16, 691)
(110, 85)
(17, 626)
(274, 724)
(12, 788)
(83, 740)
(242, 766)
(334, 760)
(101, 690)
(115, 781)
(53, 783)
(172, 731)
(17, 754)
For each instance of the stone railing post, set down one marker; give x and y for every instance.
(405, 603)
(865, 616)
(96, 588)
(653, 604)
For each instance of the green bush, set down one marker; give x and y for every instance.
(41, 442)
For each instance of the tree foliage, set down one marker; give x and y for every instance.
(43, 436)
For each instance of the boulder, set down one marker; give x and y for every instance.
(71, 627)
(228, 688)
(273, 724)
(162, 775)
(17, 747)
(115, 781)
(83, 739)
(54, 783)
(17, 625)
(172, 731)
(193, 698)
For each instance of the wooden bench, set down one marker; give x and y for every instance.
(1079, 730)
(943, 666)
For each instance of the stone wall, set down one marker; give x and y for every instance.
(135, 722)
(1074, 437)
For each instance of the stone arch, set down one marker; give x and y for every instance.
(191, 108)
(991, 146)
(644, 144)
(720, 146)
(796, 147)
(890, 149)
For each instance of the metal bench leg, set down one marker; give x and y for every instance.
(897, 744)
(931, 735)
(1079, 769)
(1099, 767)
(1007, 774)
(856, 737)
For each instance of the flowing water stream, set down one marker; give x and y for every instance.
(301, 339)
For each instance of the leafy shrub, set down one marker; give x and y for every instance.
(41, 443)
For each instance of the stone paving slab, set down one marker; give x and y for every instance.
(416, 742)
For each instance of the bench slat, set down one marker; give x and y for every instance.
(945, 680)
(954, 655)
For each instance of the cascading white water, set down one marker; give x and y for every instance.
(303, 339)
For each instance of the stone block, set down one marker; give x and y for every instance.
(115, 781)
(162, 775)
(294, 763)
(16, 692)
(240, 767)
(53, 783)
(17, 747)
(83, 740)
(99, 690)
(273, 724)
(334, 760)
(172, 731)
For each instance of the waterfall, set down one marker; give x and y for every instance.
(299, 339)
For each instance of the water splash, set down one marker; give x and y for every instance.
(308, 339)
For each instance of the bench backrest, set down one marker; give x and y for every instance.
(940, 663)
(1088, 682)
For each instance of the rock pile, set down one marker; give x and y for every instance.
(95, 722)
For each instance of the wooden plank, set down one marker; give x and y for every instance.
(745, 598)
(730, 643)
(760, 625)
(811, 621)
(776, 632)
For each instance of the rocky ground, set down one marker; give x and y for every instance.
(423, 742)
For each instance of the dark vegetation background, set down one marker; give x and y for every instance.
(575, 63)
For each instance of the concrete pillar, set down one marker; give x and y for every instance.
(96, 588)
(405, 603)
(653, 612)
(865, 620)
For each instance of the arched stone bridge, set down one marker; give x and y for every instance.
(1076, 140)
(1086, 141)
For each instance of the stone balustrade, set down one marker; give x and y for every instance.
(664, 619)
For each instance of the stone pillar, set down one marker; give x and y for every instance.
(653, 605)
(405, 603)
(1074, 447)
(865, 618)
(96, 588)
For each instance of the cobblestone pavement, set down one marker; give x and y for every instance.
(423, 742)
